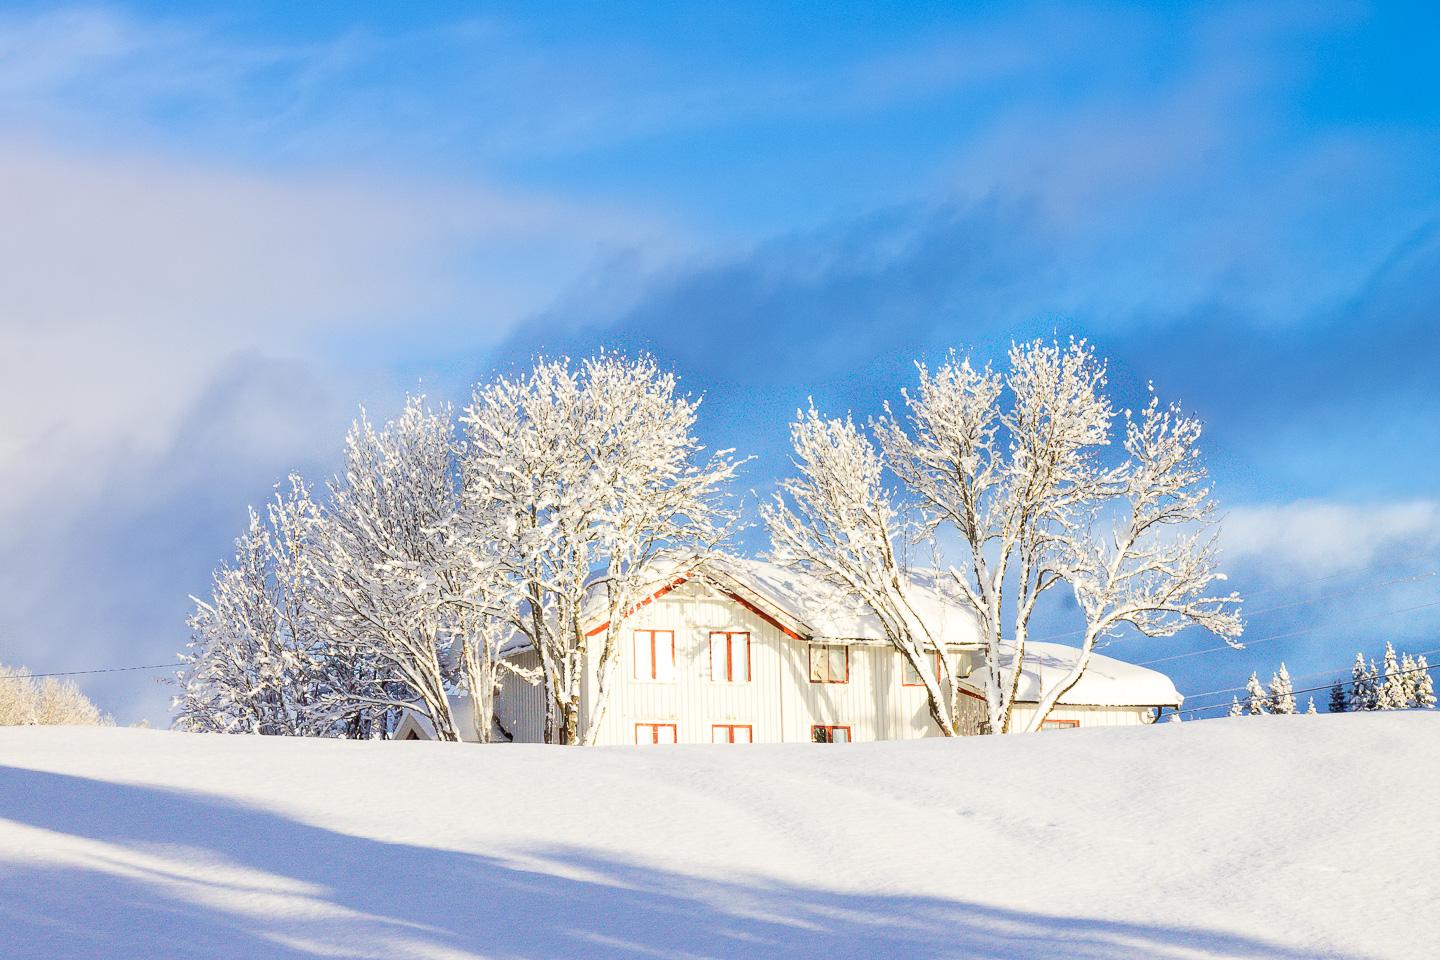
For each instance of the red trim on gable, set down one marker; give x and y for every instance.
(763, 615)
(654, 596)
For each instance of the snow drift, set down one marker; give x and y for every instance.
(1277, 837)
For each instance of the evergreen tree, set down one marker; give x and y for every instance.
(1424, 685)
(1257, 701)
(1363, 692)
(1409, 680)
(1392, 689)
(1282, 692)
(1337, 697)
(1311, 707)
(1357, 683)
(1235, 709)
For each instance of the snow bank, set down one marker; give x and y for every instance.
(1276, 837)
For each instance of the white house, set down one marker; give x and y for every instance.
(749, 652)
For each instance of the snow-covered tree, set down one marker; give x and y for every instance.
(1282, 692)
(1364, 690)
(594, 474)
(26, 700)
(1012, 464)
(1337, 698)
(471, 586)
(1257, 701)
(1424, 685)
(840, 524)
(1392, 689)
(384, 532)
(1310, 707)
(253, 663)
(1409, 677)
(1235, 709)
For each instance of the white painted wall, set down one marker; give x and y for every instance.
(521, 705)
(779, 703)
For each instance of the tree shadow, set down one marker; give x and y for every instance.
(131, 871)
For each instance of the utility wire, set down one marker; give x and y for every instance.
(1284, 606)
(1292, 633)
(1308, 676)
(76, 673)
(1397, 673)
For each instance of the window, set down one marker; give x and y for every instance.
(910, 677)
(654, 654)
(649, 733)
(729, 656)
(828, 734)
(829, 663)
(1059, 724)
(731, 733)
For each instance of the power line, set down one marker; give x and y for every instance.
(1308, 676)
(77, 673)
(1293, 633)
(1284, 606)
(1397, 673)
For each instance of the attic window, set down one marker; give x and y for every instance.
(829, 663)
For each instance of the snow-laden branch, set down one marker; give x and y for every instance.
(591, 474)
(1013, 465)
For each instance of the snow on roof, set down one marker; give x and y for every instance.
(461, 709)
(821, 612)
(828, 615)
(1106, 682)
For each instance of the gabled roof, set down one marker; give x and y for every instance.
(826, 614)
(809, 610)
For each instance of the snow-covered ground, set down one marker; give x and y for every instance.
(1279, 837)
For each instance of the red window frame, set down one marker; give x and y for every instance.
(825, 733)
(1059, 724)
(905, 666)
(653, 729)
(825, 648)
(730, 658)
(730, 729)
(654, 660)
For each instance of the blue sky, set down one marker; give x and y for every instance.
(229, 226)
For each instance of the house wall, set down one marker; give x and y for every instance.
(1087, 716)
(779, 704)
(521, 705)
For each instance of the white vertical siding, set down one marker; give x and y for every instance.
(521, 705)
(1086, 715)
(691, 700)
(779, 703)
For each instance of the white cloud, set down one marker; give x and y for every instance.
(1317, 537)
(125, 282)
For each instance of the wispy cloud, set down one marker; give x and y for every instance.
(1313, 538)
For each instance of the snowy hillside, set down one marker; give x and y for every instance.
(1278, 837)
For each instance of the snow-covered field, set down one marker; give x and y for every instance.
(1284, 837)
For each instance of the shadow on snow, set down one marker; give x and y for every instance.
(173, 874)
